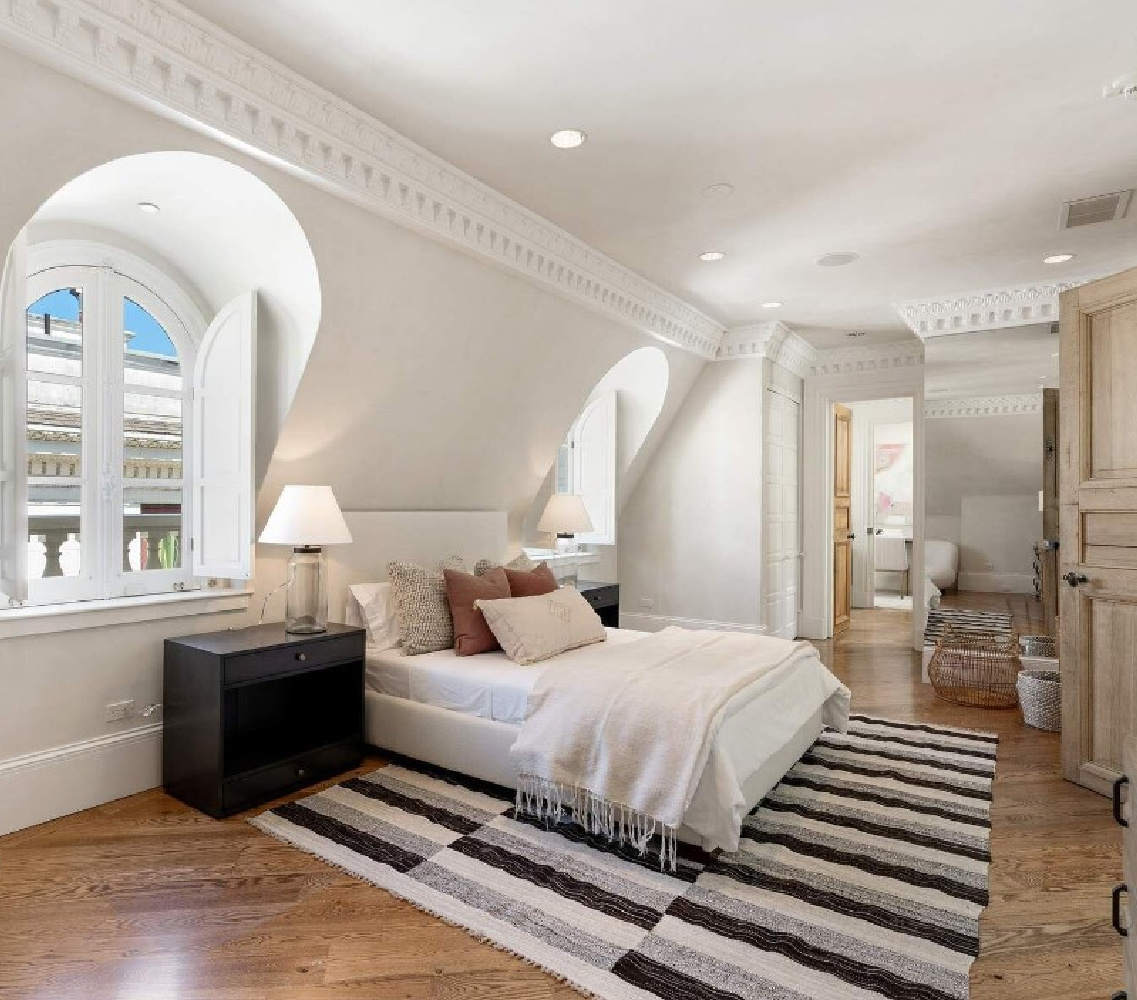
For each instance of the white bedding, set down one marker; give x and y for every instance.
(758, 722)
(489, 685)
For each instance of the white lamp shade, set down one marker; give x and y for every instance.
(565, 514)
(306, 515)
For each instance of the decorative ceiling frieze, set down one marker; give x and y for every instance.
(168, 59)
(868, 358)
(984, 406)
(773, 340)
(991, 310)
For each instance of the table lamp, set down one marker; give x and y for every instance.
(565, 515)
(307, 518)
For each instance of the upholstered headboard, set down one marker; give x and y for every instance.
(423, 536)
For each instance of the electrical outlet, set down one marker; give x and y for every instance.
(119, 710)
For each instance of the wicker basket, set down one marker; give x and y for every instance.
(978, 669)
(1040, 694)
(1039, 646)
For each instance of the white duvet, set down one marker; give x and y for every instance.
(756, 723)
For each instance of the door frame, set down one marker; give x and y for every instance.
(821, 392)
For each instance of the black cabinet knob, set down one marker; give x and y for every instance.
(1073, 579)
(301, 772)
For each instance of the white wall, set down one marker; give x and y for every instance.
(436, 382)
(983, 478)
(691, 533)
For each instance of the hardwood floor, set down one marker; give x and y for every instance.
(144, 898)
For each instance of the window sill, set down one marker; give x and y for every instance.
(49, 618)
(562, 558)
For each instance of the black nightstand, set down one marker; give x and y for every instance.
(251, 714)
(605, 598)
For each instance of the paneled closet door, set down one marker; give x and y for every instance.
(842, 524)
(781, 527)
(1098, 602)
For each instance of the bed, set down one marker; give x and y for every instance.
(464, 713)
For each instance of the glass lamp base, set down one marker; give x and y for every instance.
(306, 604)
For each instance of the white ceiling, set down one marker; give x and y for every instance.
(937, 140)
(991, 363)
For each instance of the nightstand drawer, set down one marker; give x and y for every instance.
(602, 597)
(279, 779)
(303, 656)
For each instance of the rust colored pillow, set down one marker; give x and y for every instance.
(531, 583)
(471, 633)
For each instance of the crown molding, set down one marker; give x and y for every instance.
(868, 358)
(984, 406)
(159, 54)
(772, 340)
(991, 310)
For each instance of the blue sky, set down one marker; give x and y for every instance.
(148, 333)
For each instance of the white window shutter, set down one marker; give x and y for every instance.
(224, 384)
(594, 467)
(13, 419)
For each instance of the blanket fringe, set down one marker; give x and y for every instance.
(552, 801)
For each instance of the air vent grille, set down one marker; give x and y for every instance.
(1100, 208)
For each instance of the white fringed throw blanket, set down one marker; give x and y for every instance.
(620, 742)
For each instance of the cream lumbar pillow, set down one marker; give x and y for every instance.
(535, 628)
(418, 594)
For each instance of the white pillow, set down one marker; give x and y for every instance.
(370, 604)
(536, 628)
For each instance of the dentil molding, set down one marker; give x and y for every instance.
(991, 310)
(868, 358)
(165, 57)
(772, 339)
(984, 406)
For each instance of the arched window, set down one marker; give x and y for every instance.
(110, 354)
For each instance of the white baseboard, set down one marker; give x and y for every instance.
(997, 583)
(655, 623)
(37, 787)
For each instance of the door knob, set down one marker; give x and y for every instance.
(850, 535)
(1073, 579)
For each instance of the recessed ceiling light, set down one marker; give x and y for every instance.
(839, 259)
(712, 255)
(771, 305)
(1058, 258)
(568, 138)
(721, 190)
(148, 207)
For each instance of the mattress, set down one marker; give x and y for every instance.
(488, 686)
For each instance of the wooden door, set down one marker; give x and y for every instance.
(842, 509)
(1098, 553)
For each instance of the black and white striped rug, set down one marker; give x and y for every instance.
(962, 620)
(861, 875)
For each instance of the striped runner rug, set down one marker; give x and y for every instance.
(962, 620)
(861, 875)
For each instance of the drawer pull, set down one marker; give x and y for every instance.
(1118, 785)
(301, 772)
(1118, 889)
(301, 656)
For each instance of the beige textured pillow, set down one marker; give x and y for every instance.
(419, 597)
(520, 562)
(535, 628)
